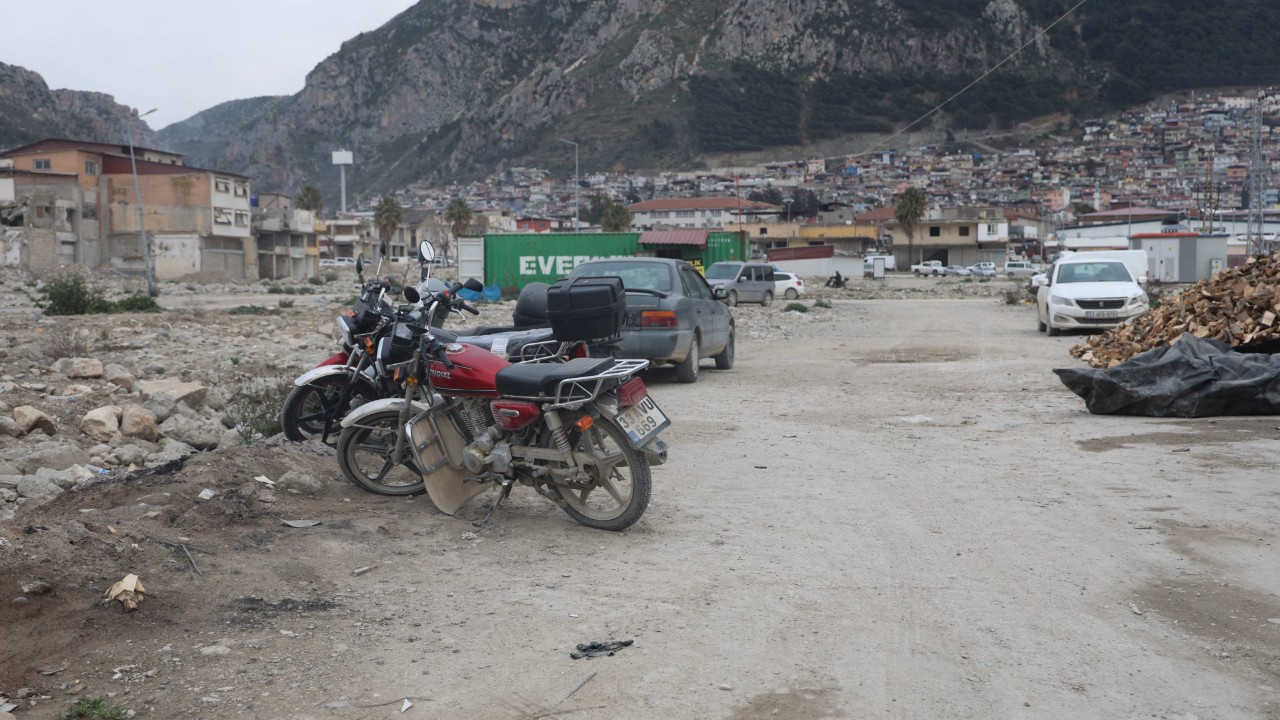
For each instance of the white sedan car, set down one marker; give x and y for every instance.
(1080, 293)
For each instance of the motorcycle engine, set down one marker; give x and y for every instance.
(486, 451)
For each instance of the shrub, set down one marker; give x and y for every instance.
(69, 294)
(255, 406)
(251, 310)
(286, 304)
(135, 303)
(796, 307)
(92, 708)
(331, 276)
(316, 280)
(821, 303)
(64, 344)
(1013, 296)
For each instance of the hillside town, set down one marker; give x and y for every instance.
(1184, 166)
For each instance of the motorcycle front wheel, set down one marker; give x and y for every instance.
(304, 412)
(365, 455)
(616, 490)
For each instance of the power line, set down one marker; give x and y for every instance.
(979, 79)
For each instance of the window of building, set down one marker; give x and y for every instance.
(45, 164)
(686, 213)
(90, 167)
(242, 218)
(222, 185)
(764, 231)
(964, 231)
(222, 216)
(660, 213)
(242, 188)
(935, 231)
(991, 229)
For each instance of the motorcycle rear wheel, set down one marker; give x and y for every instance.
(303, 414)
(620, 480)
(364, 454)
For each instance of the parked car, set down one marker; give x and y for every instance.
(788, 285)
(928, 267)
(744, 282)
(673, 315)
(957, 271)
(1083, 292)
(328, 262)
(983, 269)
(344, 262)
(1014, 268)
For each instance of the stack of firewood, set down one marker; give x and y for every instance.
(1239, 306)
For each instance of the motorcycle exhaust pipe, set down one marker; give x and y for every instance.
(655, 451)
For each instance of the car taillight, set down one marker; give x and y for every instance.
(632, 392)
(799, 282)
(658, 319)
(514, 414)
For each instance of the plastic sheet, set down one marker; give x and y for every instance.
(492, 293)
(1193, 377)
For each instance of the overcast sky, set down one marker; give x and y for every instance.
(180, 56)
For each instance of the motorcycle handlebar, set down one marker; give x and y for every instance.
(469, 308)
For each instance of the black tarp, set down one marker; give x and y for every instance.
(1193, 377)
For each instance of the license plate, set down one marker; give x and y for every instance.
(642, 421)
(1102, 313)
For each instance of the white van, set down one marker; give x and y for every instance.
(869, 264)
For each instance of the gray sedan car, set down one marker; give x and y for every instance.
(673, 317)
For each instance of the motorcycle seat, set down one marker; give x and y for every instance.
(539, 380)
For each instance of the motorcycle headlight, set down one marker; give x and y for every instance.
(344, 327)
(1059, 300)
(1139, 301)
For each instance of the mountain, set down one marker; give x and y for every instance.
(30, 111)
(451, 89)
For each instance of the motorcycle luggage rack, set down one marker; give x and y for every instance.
(575, 391)
(541, 351)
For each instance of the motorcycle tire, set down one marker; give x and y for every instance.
(303, 414)
(364, 455)
(597, 506)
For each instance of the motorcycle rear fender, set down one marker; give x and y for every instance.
(310, 376)
(369, 408)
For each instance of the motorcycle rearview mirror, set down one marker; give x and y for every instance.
(426, 252)
(411, 294)
(473, 285)
(360, 264)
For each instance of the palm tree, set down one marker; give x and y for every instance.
(387, 216)
(309, 198)
(617, 218)
(908, 208)
(459, 217)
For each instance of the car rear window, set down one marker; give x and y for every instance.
(635, 275)
(723, 271)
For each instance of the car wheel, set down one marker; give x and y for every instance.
(791, 294)
(724, 361)
(767, 300)
(733, 298)
(687, 369)
(1040, 323)
(1053, 331)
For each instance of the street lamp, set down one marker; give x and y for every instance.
(576, 186)
(137, 200)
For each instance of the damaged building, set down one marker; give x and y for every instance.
(73, 202)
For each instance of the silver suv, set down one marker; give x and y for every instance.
(745, 282)
(1014, 268)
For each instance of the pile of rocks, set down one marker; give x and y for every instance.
(1238, 306)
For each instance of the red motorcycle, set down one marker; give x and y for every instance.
(582, 433)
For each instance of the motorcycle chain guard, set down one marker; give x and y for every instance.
(437, 441)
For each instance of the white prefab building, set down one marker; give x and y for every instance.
(700, 212)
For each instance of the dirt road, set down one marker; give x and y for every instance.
(897, 513)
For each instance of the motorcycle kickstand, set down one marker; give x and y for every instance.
(506, 490)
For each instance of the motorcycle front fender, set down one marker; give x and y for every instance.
(369, 408)
(314, 374)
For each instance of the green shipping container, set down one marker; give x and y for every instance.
(721, 246)
(513, 261)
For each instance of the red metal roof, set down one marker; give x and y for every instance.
(674, 237)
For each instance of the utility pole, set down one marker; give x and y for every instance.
(137, 201)
(576, 185)
(1257, 183)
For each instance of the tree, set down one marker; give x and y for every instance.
(309, 198)
(459, 217)
(617, 218)
(908, 208)
(387, 216)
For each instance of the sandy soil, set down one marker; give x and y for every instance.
(895, 512)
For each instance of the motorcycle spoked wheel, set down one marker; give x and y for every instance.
(364, 454)
(620, 483)
(303, 413)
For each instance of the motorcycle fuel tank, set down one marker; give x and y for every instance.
(474, 372)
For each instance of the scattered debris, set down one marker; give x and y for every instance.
(916, 419)
(128, 591)
(301, 523)
(362, 570)
(265, 480)
(599, 649)
(406, 705)
(1135, 609)
(206, 494)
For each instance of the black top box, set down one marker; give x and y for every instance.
(586, 308)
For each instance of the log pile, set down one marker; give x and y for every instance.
(1239, 306)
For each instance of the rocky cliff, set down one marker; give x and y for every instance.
(454, 88)
(30, 111)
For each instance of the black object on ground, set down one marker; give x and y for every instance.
(599, 649)
(1194, 377)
